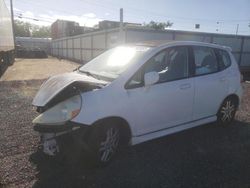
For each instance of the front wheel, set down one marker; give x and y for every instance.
(104, 143)
(227, 111)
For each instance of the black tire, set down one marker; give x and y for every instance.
(104, 143)
(227, 111)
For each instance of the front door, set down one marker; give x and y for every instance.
(169, 102)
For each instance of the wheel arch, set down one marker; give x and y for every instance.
(124, 127)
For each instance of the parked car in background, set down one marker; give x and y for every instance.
(134, 93)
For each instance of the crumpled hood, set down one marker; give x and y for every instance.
(56, 84)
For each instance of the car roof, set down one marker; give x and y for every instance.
(162, 43)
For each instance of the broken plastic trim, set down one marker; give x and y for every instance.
(69, 126)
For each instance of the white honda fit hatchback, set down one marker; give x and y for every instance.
(134, 93)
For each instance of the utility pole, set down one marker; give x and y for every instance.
(237, 29)
(121, 35)
(12, 21)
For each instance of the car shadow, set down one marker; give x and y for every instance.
(207, 156)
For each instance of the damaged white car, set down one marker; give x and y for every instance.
(134, 93)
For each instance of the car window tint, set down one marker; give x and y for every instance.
(171, 64)
(205, 60)
(224, 59)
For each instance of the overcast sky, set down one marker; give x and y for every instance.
(213, 15)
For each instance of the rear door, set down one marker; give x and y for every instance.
(211, 84)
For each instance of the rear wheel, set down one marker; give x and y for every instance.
(227, 111)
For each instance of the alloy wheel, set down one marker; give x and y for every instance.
(227, 111)
(109, 146)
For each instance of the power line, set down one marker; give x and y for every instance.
(63, 10)
(186, 21)
(31, 18)
(165, 16)
(134, 11)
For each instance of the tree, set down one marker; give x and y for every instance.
(41, 32)
(159, 25)
(22, 29)
(26, 29)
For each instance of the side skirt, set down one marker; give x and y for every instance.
(149, 136)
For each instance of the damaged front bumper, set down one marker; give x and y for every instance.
(57, 139)
(49, 144)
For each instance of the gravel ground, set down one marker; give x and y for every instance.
(206, 156)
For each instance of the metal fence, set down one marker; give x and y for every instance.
(84, 47)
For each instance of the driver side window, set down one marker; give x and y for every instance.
(171, 64)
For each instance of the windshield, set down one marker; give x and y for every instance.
(113, 62)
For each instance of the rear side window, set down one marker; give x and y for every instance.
(224, 59)
(205, 60)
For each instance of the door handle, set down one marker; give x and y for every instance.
(185, 86)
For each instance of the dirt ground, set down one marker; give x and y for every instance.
(205, 156)
(35, 69)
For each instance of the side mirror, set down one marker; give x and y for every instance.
(151, 78)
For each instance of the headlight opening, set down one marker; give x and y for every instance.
(62, 112)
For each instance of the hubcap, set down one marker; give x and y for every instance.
(109, 146)
(227, 111)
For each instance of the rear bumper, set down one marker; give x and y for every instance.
(239, 92)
